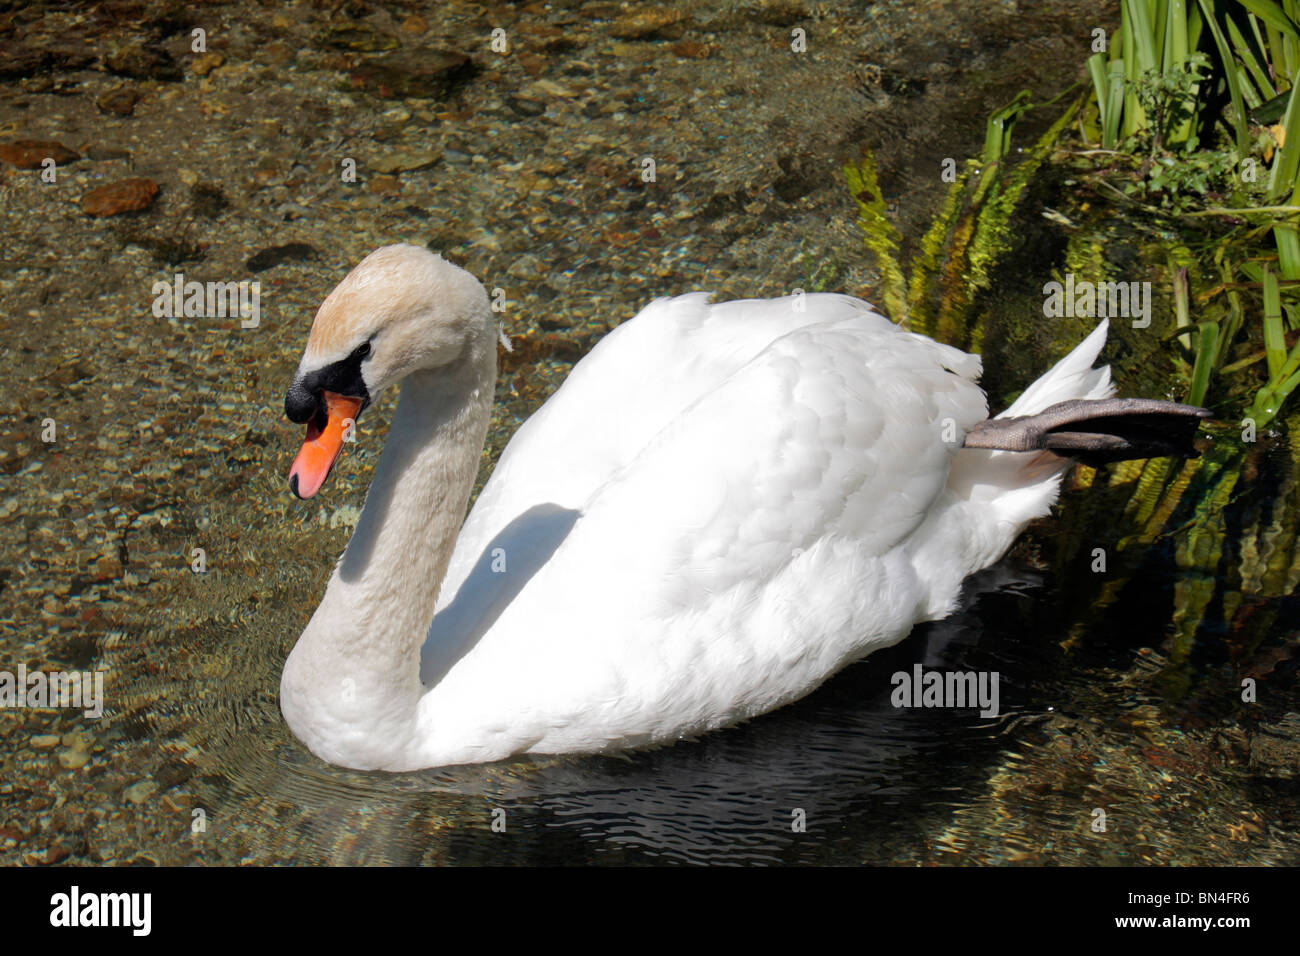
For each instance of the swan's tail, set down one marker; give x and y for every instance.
(1071, 378)
(1010, 470)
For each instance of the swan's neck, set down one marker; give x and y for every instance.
(351, 686)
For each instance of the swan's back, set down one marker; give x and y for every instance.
(637, 379)
(648, 371)
(710, 516)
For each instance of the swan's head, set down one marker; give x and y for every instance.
(403, 309)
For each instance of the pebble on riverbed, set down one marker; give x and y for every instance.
(120, 101)
(32, 153)
(140, 792)
(125, 195)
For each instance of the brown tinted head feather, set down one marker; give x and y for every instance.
(387, 282)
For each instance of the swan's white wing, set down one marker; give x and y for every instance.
(736, 534)
(638, 378)
(831, 429)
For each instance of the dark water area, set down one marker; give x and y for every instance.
(1120, 691)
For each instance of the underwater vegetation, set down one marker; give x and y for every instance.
(1175, 161)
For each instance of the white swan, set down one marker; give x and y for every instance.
(721, 507)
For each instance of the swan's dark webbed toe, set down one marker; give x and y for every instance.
(1097, 431)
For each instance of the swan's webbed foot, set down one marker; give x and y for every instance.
(1097, 431)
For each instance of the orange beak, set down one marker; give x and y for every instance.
(321, 448)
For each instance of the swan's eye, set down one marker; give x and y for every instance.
(361, 351)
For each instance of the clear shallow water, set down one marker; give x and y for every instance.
(1118, 692)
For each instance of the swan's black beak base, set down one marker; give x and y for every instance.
(301, 403)
(305, 398)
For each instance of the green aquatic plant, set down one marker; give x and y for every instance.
(880, 234)
(1172, 148)
(1149, 82)
(1283, 366)
(966, 240)
(1178, 106)
(1175, 133)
